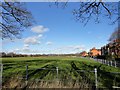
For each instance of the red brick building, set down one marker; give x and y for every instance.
(84, 54)
(112, 48)
(94, 52)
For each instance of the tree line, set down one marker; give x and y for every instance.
(12, 54)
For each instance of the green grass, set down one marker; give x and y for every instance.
(69, 69)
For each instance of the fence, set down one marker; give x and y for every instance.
(57, 77)
(108, 62)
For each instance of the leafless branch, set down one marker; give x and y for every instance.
(15, 18)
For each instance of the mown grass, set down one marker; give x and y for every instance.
(74, 69)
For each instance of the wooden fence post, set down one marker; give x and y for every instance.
(57, 72)
(1, 70)
(96, 83)
(115, 64)
(102, 61)
(111, 63)
(26, 74)
(105, 61)
(108, 62)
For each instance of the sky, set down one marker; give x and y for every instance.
(57, 32)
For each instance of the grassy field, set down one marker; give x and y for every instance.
(73, 72)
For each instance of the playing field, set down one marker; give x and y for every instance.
(57, 71)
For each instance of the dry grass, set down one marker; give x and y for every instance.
(17, 83)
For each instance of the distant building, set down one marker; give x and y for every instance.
(94, 52)
(112, 48)
(84, 54)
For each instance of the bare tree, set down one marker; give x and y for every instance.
(94, 10)
(15, 18)
(115, 40)
(115, 35)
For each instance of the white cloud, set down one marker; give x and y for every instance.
(49, 43)
(16, 50)
(39, 29)
(78, 47)
(33, 40)
(60, 50)
(25, 49)
(26, 45)
(75, 47)
(7, 41)
(69, 49)
(40, 35)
